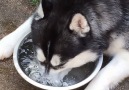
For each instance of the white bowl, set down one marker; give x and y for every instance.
(20, 71)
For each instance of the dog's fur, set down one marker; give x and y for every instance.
(71, 33)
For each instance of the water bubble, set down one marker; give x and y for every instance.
(37, 73)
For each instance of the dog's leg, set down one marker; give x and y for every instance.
(8, 43)
(112, 74)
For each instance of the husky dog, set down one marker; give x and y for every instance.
(71, 33)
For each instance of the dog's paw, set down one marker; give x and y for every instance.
(6, 47)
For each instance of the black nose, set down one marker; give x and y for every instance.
(47, 66)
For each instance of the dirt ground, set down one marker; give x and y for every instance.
(12, 14)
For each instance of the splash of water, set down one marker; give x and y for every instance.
(37, 72)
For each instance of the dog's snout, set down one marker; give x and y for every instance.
(47, 66)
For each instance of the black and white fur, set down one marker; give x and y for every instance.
(71, 33)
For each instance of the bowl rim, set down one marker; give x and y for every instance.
(23, 75)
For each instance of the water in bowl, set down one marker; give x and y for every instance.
(37, 72)
(32, 68)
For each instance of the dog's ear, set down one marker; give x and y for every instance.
(44, 8)
(79, 25)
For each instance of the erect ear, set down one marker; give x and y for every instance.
(44, 8)
(79, 24)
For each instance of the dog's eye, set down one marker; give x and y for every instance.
(43, 63)
(53, 67)
(57, 67)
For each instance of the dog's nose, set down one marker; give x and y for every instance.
(47, 66)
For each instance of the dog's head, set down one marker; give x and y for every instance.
(63, 36)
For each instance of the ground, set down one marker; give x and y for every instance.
(12, 14)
